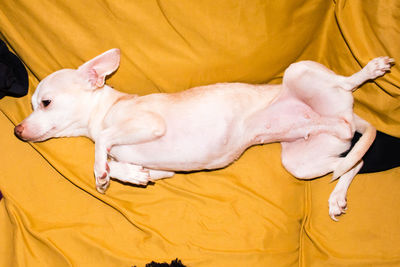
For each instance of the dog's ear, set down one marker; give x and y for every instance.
(96, 69)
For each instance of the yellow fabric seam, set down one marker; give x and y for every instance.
(306, 216)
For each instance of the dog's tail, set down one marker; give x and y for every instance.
(359, 149)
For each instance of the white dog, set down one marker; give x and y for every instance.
(145, 138)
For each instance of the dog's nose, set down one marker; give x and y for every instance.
(18, 130)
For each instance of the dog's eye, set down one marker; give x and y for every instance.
(46, 103)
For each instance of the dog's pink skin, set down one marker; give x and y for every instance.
(208, 127)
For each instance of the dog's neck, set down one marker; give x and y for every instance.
(102, 101)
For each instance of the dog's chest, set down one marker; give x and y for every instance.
(187, 145)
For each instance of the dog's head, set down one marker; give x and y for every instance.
(63, 100)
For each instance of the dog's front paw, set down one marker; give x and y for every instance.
(140, 177)
(337, 204)
(378, 66)
(102, 174)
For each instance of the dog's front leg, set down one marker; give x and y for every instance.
(101, 168)
(129, 173)
(144, 128)
(135, 174)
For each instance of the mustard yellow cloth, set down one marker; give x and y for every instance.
(252, 213)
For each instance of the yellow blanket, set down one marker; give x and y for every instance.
(252, 213)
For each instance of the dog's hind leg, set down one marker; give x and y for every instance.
(375, 68)
(306, 160)
(360, 148)
(314, 157)
(338, 200)
(326, 92)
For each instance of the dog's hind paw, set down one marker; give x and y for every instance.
(337, 205)
(379, 66)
